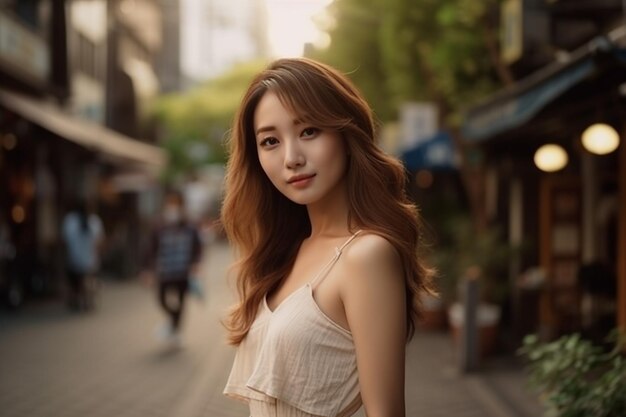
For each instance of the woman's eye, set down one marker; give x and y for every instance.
(268, 141)
(310, 131)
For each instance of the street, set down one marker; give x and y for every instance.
(55, 363)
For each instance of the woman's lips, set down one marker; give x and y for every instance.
(301, 181)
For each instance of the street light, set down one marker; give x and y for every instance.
(550, 158)
(600, 139)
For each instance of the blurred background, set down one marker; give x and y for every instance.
(508, 115)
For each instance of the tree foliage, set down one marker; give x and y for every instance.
(578, 378)
(355, 49)
(399, 50)
(194, 123)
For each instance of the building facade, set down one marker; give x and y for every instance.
(570, 60)
(216, 34)
(63, 136)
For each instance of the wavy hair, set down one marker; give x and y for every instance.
(267, 229)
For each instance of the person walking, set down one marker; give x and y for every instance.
(172, 260)
(328, 277)
(83, 235)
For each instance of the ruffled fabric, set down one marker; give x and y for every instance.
(298, 356)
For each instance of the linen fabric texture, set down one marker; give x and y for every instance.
(296, 361)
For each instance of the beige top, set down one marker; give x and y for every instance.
(296, 361)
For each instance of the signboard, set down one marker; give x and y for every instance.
(418, 122)
(511, 30)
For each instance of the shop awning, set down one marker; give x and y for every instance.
(515, 106)
(85, 133)
(436, 154)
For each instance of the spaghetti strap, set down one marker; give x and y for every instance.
(330, 264)
(348, 241)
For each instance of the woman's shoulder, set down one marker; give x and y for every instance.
(368, 247)
(370, 254)
(371, 270)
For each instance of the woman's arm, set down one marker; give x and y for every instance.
(373, 294)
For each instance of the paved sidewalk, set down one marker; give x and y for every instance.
(436, 388)
(54, 363)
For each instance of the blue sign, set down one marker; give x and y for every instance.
(435, 153)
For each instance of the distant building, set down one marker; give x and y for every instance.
(216, 34)
(169, 66)
(73, 76)
(134, 43)
(570, 60)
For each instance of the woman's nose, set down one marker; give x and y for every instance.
(293, 156)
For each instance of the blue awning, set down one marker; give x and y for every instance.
(436, 154)
(513, 107)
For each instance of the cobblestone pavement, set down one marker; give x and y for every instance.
(54, 363)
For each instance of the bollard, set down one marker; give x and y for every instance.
(469, 345)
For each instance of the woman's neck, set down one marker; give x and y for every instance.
(329, 216)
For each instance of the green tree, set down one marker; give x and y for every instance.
(443, 51)
(355, 50)
(195, 123)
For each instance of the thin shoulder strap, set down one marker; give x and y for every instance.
(347, 242)
(324, 271)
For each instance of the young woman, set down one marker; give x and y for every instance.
(328, 275)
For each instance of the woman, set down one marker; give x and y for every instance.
(328, 276)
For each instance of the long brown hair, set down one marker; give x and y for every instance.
(267, 228)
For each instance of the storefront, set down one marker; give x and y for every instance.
(48, 160)
(569, 213)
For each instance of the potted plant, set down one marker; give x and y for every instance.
(433, 312)
(577, 378)
(481, 256)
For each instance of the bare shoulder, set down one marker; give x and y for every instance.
(371, 260)
(371, 249)
(372, 289)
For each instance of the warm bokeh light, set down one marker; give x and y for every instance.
(600, 139)
(291, 25)
(550, 158)
(424, 178)
(18, 214)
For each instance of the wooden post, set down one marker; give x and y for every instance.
(621, 236)
(546, 314)
(470, 331)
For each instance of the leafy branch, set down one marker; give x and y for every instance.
(577, 378)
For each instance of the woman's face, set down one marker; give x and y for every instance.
(304, 162)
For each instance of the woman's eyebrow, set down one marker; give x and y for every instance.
(262, 129)
(265, 129)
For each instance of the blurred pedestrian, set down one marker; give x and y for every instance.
(83, 235)
(172, 260)
(328, 240)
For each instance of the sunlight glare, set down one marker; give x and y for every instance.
(291, 25)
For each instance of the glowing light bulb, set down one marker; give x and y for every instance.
(600, 139)
(550, 158)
